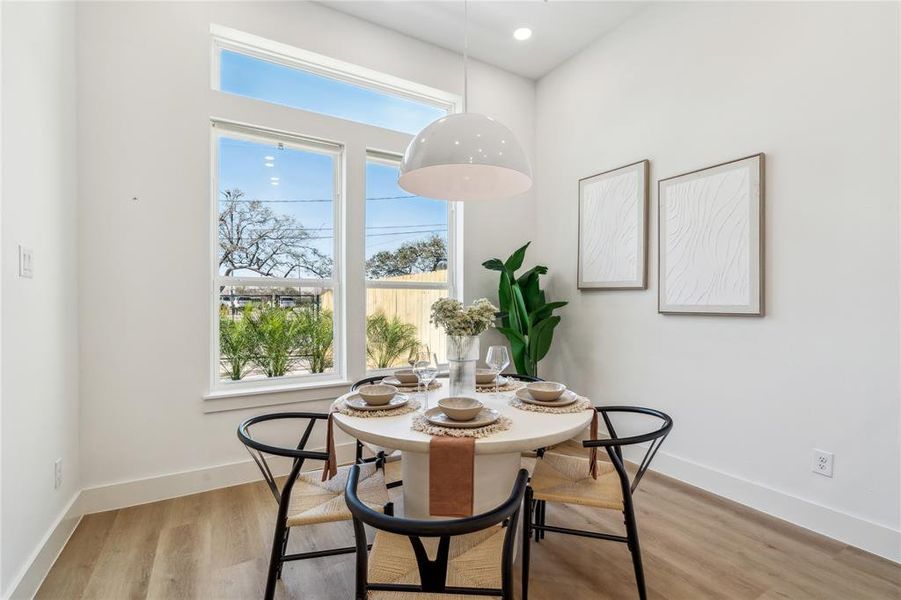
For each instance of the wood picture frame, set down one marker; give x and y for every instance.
(710, 240)
(613, 229)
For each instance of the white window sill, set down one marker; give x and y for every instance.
(273, 395)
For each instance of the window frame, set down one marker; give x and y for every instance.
(453, 284)
(358, 142)
(220, 128)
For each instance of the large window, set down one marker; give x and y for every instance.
(275, 260)
(408, 266)
(294, 194)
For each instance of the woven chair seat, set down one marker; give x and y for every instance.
(574, 448)
(474, 561)
(392, 471)
(564, 478)
(314, 501)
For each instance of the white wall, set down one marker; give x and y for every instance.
(39, 336)
(144, 105)
(815, 87)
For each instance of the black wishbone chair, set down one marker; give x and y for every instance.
(304, 499)
(474, 555)
(561, 477)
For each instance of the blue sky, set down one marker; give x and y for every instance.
(255, 78)
(300, 183)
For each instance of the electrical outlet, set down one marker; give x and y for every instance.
(57, 473)
(26, 262)
(822, 462)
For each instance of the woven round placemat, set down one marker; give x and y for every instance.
(341, 407)
(511, 386)
(421, 424)
(413, 388)
(578, 406)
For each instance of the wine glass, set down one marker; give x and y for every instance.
(426, 369)
(497, 360)
(414, 352)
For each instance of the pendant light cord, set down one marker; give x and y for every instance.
(465, 55)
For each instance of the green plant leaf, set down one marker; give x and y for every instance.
(525, 326)
(512, 335)
(542, 336)
(536, 270)
(518, 346)
(543, 312)
(505, 299)
(529, 284)
(515, 261)
(494, 264)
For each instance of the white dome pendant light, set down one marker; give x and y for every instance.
(465, 156)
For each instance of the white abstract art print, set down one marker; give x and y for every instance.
(613, 229)
(710, 240)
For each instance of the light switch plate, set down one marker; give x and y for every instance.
(26, 262)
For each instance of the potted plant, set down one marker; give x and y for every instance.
(463, 325)
(527, 319)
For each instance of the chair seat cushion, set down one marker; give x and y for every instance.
(564, 478)
(474, 560)
(315, 501)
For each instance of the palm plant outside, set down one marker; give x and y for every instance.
(236, 344)
(317, 331)
(276, 337)
(388, 339)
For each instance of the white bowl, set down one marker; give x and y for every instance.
(406, 376)
(460, 408)
(546, 391)
(484, 376)
(377, 394)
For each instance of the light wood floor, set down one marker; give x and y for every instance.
(695, 545)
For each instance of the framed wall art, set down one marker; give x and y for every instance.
(613, 216)
(710, 240)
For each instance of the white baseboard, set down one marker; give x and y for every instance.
(856, 531)
(152, 489)
(29, 579)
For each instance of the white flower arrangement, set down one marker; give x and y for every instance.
(457, 320)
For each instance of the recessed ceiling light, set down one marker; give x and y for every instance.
(270, 165)
(269, 157)
(274, 182)
(522, 34)
(273, 178)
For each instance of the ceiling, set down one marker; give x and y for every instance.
(560, 27)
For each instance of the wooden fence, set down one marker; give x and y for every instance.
(409, 305)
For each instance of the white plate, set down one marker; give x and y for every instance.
(565, 399)
(487, 416)
(501, 382)
(408, 386)
(357, 403)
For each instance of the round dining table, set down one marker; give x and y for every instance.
(497, 456)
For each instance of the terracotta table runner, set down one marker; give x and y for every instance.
(451, 476)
